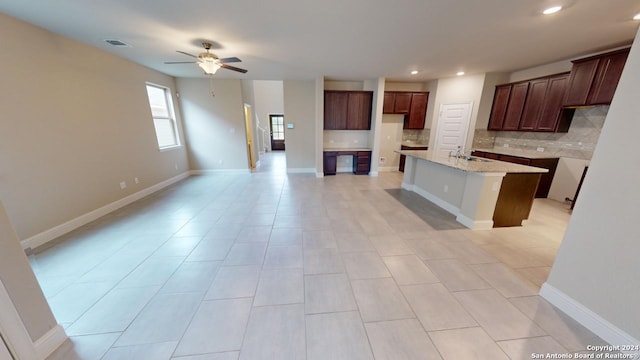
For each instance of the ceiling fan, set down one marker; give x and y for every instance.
(209, 62)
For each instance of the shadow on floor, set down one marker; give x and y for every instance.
(430, 213)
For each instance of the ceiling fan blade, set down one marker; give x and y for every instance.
(230, 60)
(229, 67)
(186, 53)
(180, 62)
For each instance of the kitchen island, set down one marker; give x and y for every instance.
(481, 193)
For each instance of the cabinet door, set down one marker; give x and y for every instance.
(330, 162)
(418, 111)
(359, 110)
(335, 110)
(499, 108)
(582, 75)
(534, 104)
(402, 103)
(389, 102)
(607, 77)
(515, 106)
(553, 103)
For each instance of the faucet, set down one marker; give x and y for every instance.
(459, 152)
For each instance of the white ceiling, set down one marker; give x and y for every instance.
(340, 39)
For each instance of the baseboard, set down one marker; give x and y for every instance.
(221, 171)
(587, 318)
(57, 231)
(388, 168)
(436, 200)
(474, 224)
(319, 174)
(50, 341)
(301, 171)
(373, 173)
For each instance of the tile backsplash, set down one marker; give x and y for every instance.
(419, 136)
(578, 143)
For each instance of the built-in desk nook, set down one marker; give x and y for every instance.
(361, 160)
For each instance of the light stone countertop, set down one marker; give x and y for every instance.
(346, 149)
(413, 144)
(484, 166)
(529, 154)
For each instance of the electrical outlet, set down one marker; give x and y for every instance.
(506, 145)
(175, 166)
(446, 188)
(496, 186)
(136, 180)
(382, 160)
(540, 149)
(123, 184)
(356, 141)
(220, 161)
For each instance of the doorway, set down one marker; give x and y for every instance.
(248, 127)
(453, 125)
(276, 122)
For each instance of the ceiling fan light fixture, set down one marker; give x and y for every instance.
(208, 67)
(637, 17)
(551, 10)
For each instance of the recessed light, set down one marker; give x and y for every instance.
(637, 17)
(460, 73)
(551, 10)
(414, 72)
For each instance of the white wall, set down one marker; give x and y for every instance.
(269, 98)
(460, 89)
(75, 123)
(597, 264)
(566, 179)
(214, 126)
(300, 109)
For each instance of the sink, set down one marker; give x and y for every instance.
(473, 158)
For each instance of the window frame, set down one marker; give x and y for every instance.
(168, 99)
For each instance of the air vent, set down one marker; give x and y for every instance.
(117, 43)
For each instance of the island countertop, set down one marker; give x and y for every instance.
(479, 166)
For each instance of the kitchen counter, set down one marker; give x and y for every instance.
(413, 144)
(476, 165)
(529, 154)
(346, 149)
(482, 194)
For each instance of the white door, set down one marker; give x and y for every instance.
(4, 352)
(453, 124)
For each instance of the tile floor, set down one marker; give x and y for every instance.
(277, 266)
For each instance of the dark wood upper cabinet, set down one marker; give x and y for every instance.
(359, 111)
(411, 104)
(553, 118)
(335, 110)
(515, 106)
(594, 80)
(534, 104)
(347, 110)
(402, 103)
(499, 108)
(418, 111)
(607, 78)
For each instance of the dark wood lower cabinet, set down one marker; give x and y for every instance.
(403, 158)
(361, 161)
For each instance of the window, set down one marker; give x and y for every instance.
(164, 119)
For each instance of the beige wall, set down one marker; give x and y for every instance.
(269, 100)
(300, 109)
(214, 126)
(461, 89)
(21, 283)
(75, 123)
(597, 264)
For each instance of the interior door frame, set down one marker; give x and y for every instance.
(12, 328)
(271, 116)
(440, 119)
